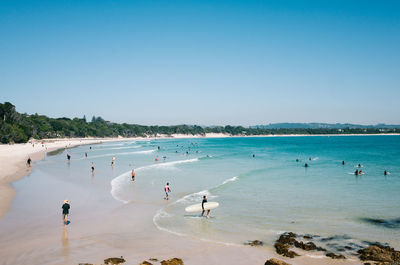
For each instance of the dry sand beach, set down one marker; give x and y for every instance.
(97, 236)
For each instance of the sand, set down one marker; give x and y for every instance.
(92, 239)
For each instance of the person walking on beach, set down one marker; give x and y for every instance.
(167, 191)
(202, 206)
(133, 175)
(65, 211)
(29, 161)
(113, 161)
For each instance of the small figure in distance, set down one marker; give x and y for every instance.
(254, 155)
(133, 175)
(202, 206)
(310, 158)
(342, 162)
(29, 161)
(305, 165)
(85, 154)
(297, 160)
(156, 159)
(356, 172)
(385, 172)
(113, 161)
(167, 190)
(65, 211)
(68, 157)
(92, 166)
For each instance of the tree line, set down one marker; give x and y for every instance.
(19, 128)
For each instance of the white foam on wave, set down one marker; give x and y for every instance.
(118, 154)
(125, 178)
(163, 214)
(197, 196)
(229, 180)
(123, 147)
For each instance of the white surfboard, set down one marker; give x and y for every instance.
(197, 207)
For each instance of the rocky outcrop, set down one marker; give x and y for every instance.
(275, 262)
(153, 259)
(254, 243)
(380, 253)
(174, 261)
(114, 261)
(283, 249)
(334, 256)
(146, 263)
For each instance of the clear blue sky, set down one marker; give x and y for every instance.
(203, 62)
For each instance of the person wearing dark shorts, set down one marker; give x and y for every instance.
(202, 206)
(65, 211)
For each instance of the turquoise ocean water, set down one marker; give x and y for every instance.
(260, 196)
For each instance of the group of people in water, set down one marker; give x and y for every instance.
(357, 172)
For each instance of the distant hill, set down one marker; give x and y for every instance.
(317, 125)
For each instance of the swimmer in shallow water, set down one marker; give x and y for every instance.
(385, 173)
(356, 172)
(305, 165)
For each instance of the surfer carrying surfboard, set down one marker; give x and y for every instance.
(202, 206)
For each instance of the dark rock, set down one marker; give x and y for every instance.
(174, 261)
(145, 263)
(307, 237)
(287, 238)
(153, 259)
(348, 247)
(283, 249)
(255, 243)
(321, 249)
(380, 253)
(306, 246)
(114, 261)
(275, 262)
(367, 263)
(334, 256)
(85, 264)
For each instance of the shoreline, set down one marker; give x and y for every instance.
(14, 167)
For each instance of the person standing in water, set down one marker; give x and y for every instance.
(68, 157)
(92, 166)
(342, 162)
(85, 154)
(65, 211)
(385, 172)
(113, 161)
(167, 191)
(133, 175)
(202, 207)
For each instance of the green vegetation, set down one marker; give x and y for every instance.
(19, 128)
